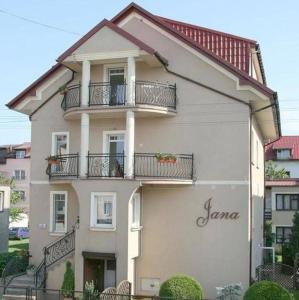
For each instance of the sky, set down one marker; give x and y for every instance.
(29, 49)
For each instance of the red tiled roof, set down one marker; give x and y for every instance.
(284, 142)
(283, 182)
(233, 49)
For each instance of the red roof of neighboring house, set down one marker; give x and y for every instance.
(233, 49)
(284, 142)
(283, 182)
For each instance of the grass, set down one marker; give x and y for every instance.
(17, 245)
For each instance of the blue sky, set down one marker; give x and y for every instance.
(28, 50)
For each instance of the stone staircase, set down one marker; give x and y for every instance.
(17, 287)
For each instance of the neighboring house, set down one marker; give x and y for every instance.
(15, 163)
(136, 86)
(282, 195)
(4, 217)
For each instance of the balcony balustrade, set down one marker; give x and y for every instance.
(107, 94)
(60, 166)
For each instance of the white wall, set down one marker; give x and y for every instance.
(291, 166)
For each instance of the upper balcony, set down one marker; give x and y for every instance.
(108, 99)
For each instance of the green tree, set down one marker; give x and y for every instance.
(15, 213)
(272, 171)
(269, 236)
(289, 250)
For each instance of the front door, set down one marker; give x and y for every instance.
(117, 86)
(115, 146)
(94, 270)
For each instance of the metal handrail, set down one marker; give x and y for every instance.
(178, 166)
(72, 97)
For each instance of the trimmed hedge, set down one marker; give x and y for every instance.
(181, 287)
(264, 290)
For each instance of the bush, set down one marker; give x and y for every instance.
(68, 284)
(181, 287)
(264, 290)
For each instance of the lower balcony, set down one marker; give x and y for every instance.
(150, 168)
(63, 166)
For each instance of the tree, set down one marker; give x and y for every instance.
(272, 171)
(15, 213)
(289, 250)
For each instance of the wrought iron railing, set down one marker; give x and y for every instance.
(154, 93)
(105, 165)
(63, 165)
(180, 166)
(14, 267)
(53, 253)
(71, 97)
(105, 93)
(268, 214)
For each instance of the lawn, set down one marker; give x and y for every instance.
(17, 245)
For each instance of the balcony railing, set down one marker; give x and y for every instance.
(268, 214)
(107, 94)
(63, 166)
(105, 165)
(174, 166)
(154, 93)
(71, 97)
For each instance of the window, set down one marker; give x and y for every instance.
(283, 234)
(136, 211)
(21, 194)
(58, 212)
(283, 153)
(20, 153)
(60, 143)
(19, 175)
(287, 201)
(111, 265)
(103, 210)
(1, 201)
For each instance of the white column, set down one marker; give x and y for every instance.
(84, 143)
(85, 82)
(130, 139)
(131, 81)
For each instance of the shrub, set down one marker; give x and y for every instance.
(68, 284)
(181, 287)
(264, 290)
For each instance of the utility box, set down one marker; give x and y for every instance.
(4, 217)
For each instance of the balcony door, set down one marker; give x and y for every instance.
(117, 89)
(114, 147)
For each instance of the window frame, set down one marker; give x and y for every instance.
(279, 151)
(20, 151)
(136, 211)
(20, 171)
(93, 209)
(54, 134)
(52, 193)
(107, 133)
(2, 195)
(283, 201)
(279, 240)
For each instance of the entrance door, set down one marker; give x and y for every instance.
(115, 147)
(94, 270)
(117, 86)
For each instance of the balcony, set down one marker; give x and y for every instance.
(62, 166)
(107, 99)
(150, 168)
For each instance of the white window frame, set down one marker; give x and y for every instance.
(136, 211)
(279, 151)
(106, 68)
(112, 132)
(54, 134)
(20, 151)
(93, 224)
(52, 193)
(20, 171)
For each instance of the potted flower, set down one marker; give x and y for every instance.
(63, 90)
(53, 160)
(166, 158)
(30, 270)
(68, 284)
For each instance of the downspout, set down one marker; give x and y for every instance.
(251, 112)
